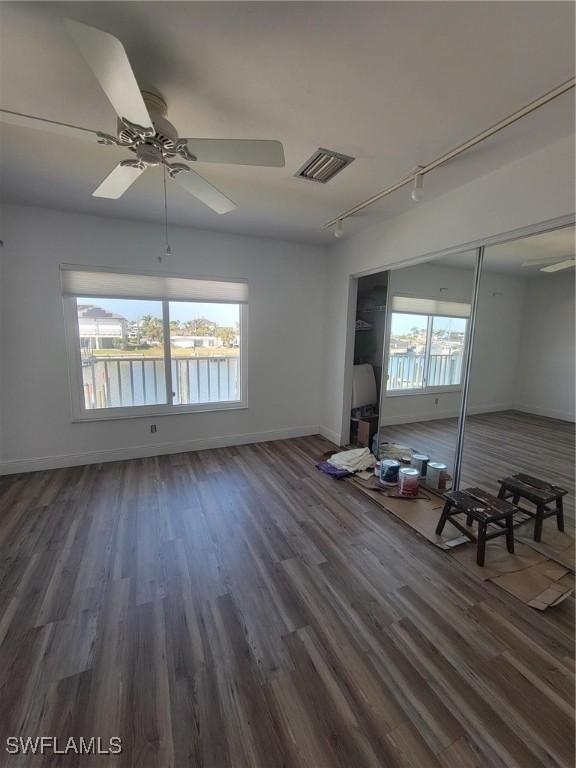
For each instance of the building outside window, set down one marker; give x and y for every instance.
(99, 329)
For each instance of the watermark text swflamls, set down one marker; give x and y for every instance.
(45, 745)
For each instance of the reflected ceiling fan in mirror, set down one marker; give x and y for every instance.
(144, 130)
(552, 263)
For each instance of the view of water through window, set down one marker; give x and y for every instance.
(122, 352)
(425, 351)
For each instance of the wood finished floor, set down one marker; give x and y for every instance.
(234, 608)
(499, 444)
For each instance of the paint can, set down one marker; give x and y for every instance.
(420, 462)
(437, 476)
(389, 471)
(408, 481)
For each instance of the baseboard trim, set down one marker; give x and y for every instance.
(143, 451)
(330, 435)
(392, 421)
(549, 413)
(446, 414)
(478, 409)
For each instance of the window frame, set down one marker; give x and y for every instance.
(426, 389)
(79, 412)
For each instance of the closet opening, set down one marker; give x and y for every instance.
(367, 375)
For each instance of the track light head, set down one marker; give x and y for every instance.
(417, 190)
(339, 229)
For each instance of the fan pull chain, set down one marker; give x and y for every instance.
(167, 249)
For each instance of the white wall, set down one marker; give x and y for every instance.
(536, 188)
(2, 260)
(496, 346)
(496, 343)
(284, 337)
(545, 379)
(294, 298)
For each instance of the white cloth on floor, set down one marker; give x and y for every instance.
(353, 460)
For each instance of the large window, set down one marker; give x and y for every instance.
(147, 344)
(426, 344)
(205, 349)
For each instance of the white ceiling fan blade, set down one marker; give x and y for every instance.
(566, 264)
(237, 151)
(41, 124)
(204, 191)
(117, 182)
(106, 57)
(545, 260)
(535, 262)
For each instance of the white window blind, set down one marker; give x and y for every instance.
(430, 307)
(118, 285)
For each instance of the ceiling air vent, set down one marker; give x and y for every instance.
(323, 166)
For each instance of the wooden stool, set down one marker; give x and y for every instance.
(540, 493)
(487, 510)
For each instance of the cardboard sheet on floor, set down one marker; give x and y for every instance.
(498, 560)
(555, 544)
(422, 514)
(528, 575)
(541, 586)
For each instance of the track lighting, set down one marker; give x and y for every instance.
(417, 191)
(460, 149)
(338, 229)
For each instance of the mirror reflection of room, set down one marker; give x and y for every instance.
(425, 342)
(520, 416)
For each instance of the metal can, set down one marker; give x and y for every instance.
(408, 481)
(437, 476)
(420, 462)
(389, 471)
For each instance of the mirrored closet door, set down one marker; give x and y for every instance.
(519, 417)
(425, 343)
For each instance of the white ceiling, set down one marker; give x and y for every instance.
(393, 84)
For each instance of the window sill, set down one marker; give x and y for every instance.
(426, 391)
(146, 412)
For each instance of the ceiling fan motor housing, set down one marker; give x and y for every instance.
(151, 150)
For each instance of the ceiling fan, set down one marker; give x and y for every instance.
(552, 263)
(144, 130)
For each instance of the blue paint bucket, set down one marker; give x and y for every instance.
(389, 469)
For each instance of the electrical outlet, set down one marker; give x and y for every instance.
(153, 428)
